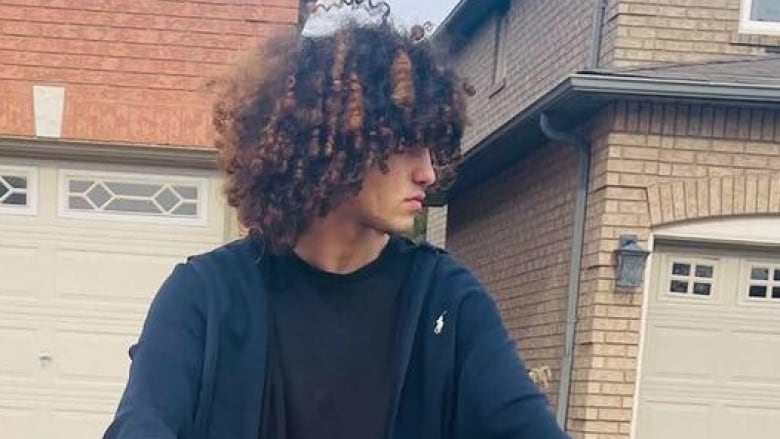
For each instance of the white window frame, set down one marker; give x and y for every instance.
(64, 211)
(745, 282)
(31, 174)
(748, 26)
(693, 260)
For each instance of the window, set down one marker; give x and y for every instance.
(760, 17)
(132, 196)
(498, 78)
(18, 190)
(764, 282)
(691, 278)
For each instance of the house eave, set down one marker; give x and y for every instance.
(577, 98)
(108, 152)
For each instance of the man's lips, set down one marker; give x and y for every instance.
(416, 200)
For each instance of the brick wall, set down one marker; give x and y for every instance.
(133, 70)
(673, 31)
(652, 164)
(546, 41)
(515, 232)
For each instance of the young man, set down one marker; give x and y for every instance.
(324, 322)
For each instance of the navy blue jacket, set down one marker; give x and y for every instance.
(198, 369)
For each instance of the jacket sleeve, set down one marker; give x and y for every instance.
(160, 397)
(496, 397)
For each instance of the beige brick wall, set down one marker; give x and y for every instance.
(546, 41)
(652, 164)
(676, 31)
(655, 164)
(133, 70)
(515, 232)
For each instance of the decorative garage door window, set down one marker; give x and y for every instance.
(18, 190)
(139, 196)
(691, 278)
(764, 282)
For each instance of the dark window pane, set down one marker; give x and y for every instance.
(187, 192)
(133, 189)
(186, 209)
(3, 190)
(137, 206)
(704, 271)
(759, 273)
(79, 186)
(777, 274)
(16, 199)
(702, 289)
(776, 292)
(167, 199)
(765, 10)
(76, 202)
(757, 291)
(99, 195)
(678, 286)
(681, 269)
(16, 182)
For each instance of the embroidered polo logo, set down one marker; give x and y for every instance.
(439, 326)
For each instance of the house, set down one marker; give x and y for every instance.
(106, 181)
(648, 124)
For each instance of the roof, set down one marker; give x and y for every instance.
(744, 70)
(751, 82)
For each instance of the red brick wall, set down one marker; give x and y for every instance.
(515, 232)
(133, 70)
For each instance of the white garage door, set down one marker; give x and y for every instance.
(711, 357)
(82, 251)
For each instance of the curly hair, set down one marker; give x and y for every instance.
(302, 119)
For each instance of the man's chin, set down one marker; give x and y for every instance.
(397, 227)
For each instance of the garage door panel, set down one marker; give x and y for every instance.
(17, 262)
(74, 290)
(111, 275)
(18, 421)
(669, 418)
(760, 422)
(92, 358)
(77, 424)
(709, 363)
(679, 360)
(19, 360)
(754, 359)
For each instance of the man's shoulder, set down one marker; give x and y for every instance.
(448, 269)
(245, 248)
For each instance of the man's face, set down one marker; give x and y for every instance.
(390, 201)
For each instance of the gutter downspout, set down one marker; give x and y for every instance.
(578, 238)
(597, 35)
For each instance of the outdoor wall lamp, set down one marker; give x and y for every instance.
(631, 259)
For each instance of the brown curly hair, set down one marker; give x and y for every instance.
(302, 119)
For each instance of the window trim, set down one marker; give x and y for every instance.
(745, 282)
(748, 26)
(498, 71)
(669, 259)
(63, 211)
(31, 174)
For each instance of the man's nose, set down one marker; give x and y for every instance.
(425, 174)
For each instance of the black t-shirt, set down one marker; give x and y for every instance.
(333, 370)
